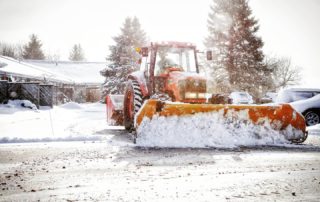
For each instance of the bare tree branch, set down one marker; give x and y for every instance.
(284, 73)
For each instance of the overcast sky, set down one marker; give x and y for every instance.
(288, 27)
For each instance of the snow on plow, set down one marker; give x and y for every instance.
(166, 124)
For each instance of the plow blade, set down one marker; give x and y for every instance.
(206, 125)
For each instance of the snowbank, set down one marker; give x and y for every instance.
(71, 121)
(21, 104)
(209, 130)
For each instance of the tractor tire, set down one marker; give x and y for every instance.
(312, 117)
(132, 103)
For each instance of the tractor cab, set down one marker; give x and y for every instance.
(171, 69)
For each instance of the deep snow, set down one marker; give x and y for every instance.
(71, 121)
(204, 130)
(212, 129)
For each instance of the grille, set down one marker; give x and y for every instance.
(192, 85)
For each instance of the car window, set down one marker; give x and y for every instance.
(287, 96)
(301, 95)
(243, 95)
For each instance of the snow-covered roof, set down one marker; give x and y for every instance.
(14, 67)
(79, 72)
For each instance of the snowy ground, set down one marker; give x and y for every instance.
(102, 164)
(87, 171)
(67, 122)
(80, 122)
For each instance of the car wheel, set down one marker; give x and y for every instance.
(312, 118)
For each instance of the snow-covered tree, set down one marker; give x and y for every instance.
(131, 37)
(123, 56)
(76, 54)
(237, 50)
(32, 50)
(219, 22)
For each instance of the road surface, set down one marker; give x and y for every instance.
(115, 170)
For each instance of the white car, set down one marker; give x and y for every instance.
(304, 100)
(240, 98)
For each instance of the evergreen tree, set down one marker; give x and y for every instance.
(218, 25)
(76, 54)
(237, 48)
(123, 56)
(32, 50)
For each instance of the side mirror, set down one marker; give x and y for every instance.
(209, 55)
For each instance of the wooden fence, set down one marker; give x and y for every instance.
(24, 91)
(47, 95)
(40, 95)
(3, 90)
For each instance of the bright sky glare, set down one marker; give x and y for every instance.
(288, 27)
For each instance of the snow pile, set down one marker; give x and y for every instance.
(69, 122)
(209, 130)
(21, 103)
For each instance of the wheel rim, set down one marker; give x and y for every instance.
(312, 118)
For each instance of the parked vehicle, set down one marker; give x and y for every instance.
(304, 100)
(240, 98)
(295, 94)
(268, 98)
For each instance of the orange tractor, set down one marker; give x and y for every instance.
(169, 84)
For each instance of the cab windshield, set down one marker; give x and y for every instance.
(182, 59)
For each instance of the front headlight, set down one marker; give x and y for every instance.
(190, 95)
(201, 95)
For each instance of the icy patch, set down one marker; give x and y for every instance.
(210, 130)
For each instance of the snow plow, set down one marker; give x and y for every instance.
(166, 105)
